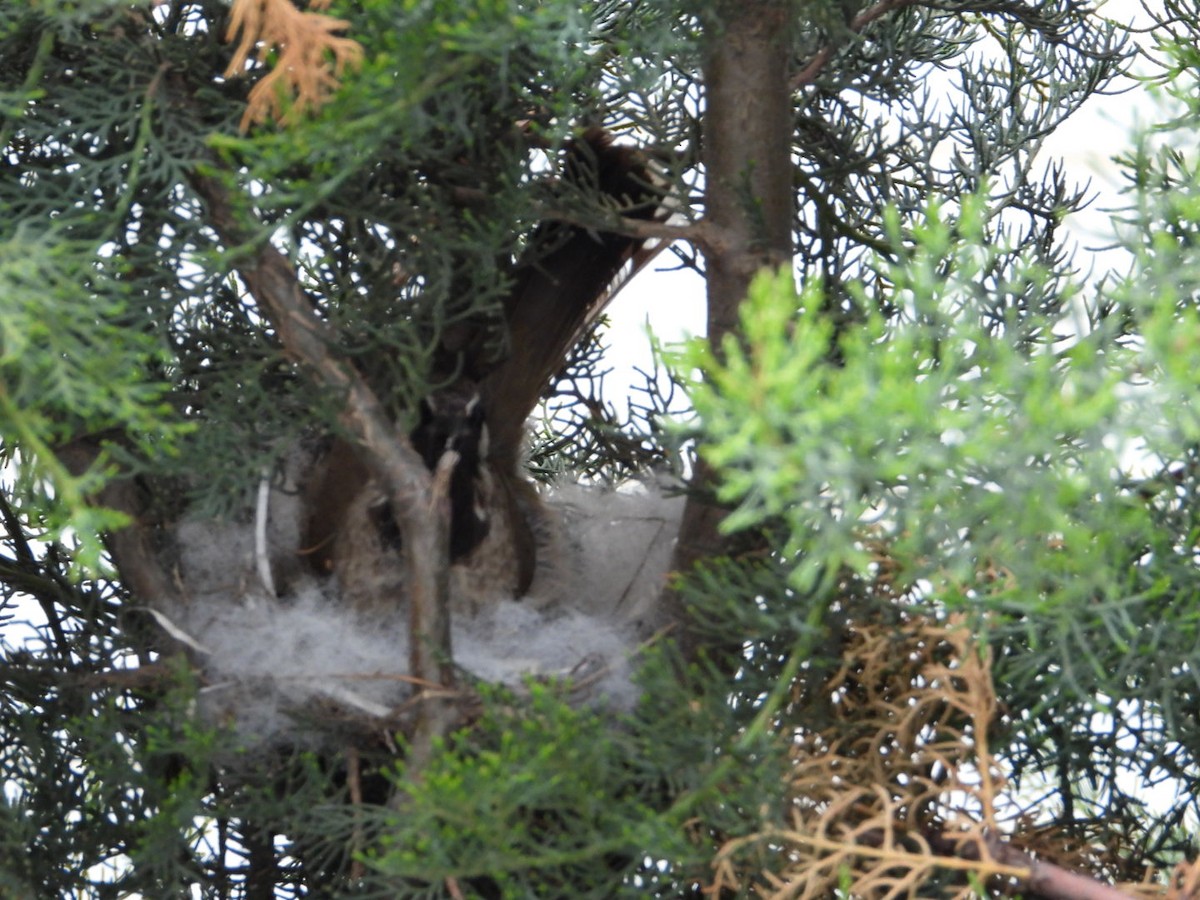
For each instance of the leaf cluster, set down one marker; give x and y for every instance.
(913, 429)
(1033, 479)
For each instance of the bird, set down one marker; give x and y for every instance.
(498, 525)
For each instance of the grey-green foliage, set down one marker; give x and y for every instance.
(71, 364)
(1043, 487)
(111, 110)
(403, 203)
(953, 445)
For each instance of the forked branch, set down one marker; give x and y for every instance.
(422, 515)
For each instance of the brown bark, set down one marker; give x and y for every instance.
(135, 549)
(1044, 879)
(421, 511)
(747, 153)
(748, 196)
(557, 293)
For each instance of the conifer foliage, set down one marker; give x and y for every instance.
(305, 595)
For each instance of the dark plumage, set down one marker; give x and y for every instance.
(560, 285)
(454, 422)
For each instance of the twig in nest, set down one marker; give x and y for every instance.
(262, 513)
(446, 464)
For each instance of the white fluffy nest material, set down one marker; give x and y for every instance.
(270, 663)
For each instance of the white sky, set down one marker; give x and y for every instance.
(672, 302)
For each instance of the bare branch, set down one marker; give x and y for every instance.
(1043, 878)
(809, 73)
(133, 548)
(423, 521)
(698, 234)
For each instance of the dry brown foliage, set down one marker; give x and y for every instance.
(305, 55)
(902, 797)
(1185, 882)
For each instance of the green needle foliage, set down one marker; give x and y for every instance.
(928, 419)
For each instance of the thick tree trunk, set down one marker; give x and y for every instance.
(748, 196)
(747, 153)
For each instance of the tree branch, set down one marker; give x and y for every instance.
(26, 573)
(748, 200)
(988, 855)
(134, 548)
(1045, 879)
(422, 513)
(698, 234)
(810, 72)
